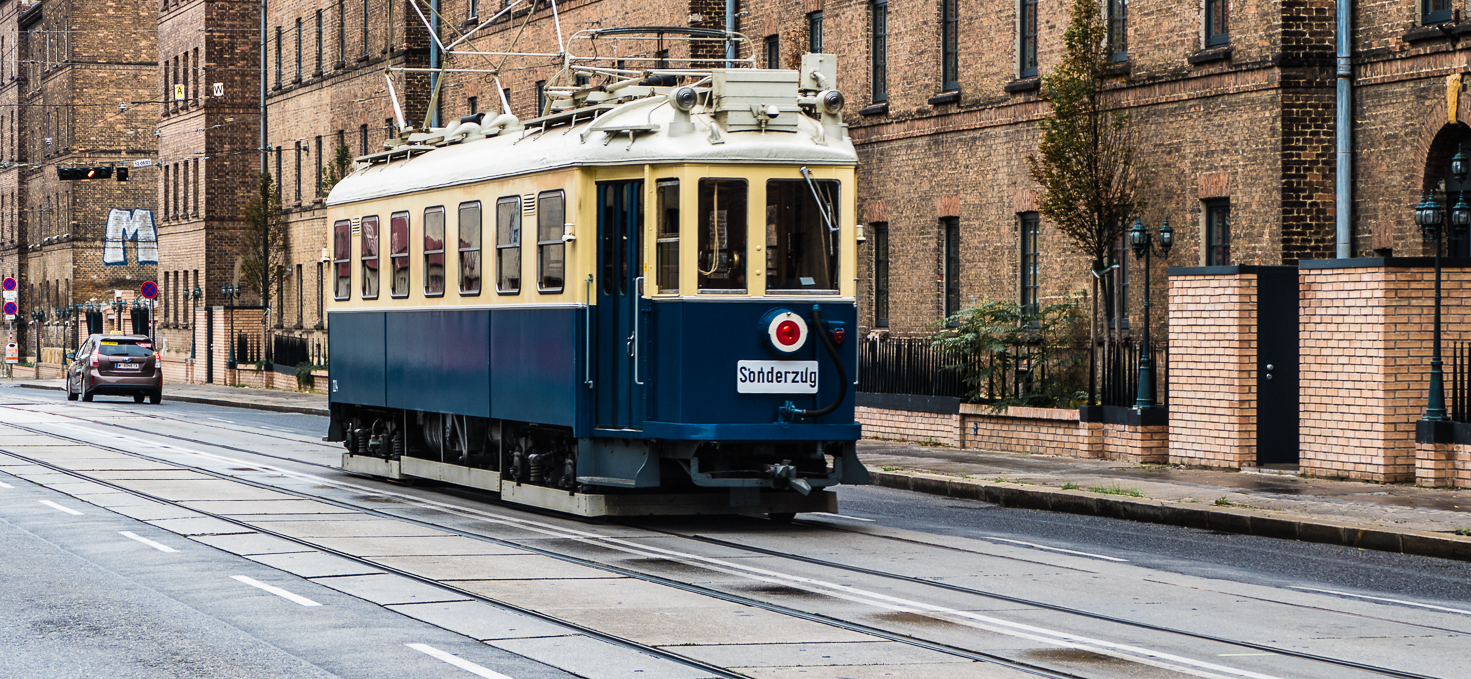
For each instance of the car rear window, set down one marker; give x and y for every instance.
(122, 349)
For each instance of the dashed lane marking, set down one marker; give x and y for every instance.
(156, 545)
(457, 661)
(275, 590)
(68, 510)
(1056, 549)
(1393, 601)
(5, 485)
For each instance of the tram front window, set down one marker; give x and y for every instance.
(722, 234)
(801, 235)
(668, 237)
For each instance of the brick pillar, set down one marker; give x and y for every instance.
(1213, 352)
(1090, 439)
(1365, 341)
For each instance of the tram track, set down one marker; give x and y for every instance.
(660, 580)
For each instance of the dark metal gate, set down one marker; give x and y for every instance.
(1277, 378)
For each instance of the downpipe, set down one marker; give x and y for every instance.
(1343, 174)
(789, 411)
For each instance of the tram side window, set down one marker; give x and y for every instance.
(398, 253)
(434, 252)
(722, 234)
(551, 252)
(342, 259)
(370, 257)
(470, 248)
(801, 235)
(508, 243)
(667, 239)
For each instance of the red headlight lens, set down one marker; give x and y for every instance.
(788, 333)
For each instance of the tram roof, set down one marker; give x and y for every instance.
(535, 150)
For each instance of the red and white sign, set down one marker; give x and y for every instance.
(787, 332)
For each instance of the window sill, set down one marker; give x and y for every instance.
(945, 98)
(1433, 32)
(472, 21)
(1213, 54)
(1027, 84)
(878, 109)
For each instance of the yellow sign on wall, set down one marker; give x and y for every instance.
(178, 93)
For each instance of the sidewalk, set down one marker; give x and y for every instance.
(1397, 518)
(274, 400)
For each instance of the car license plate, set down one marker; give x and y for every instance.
(127, 366)
(776, 377)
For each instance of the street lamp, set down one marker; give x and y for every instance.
(1143, 243)
(1434, 222)
(194, 296)
(230, 292)
(38, 318)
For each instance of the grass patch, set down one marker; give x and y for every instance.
(1223, 502)
(1463, 531)
(1116, 489)
(930, 442)
(1069, 485)
(889, 469)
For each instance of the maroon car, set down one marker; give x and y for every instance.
(116, 365)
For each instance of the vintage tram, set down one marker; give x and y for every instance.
(640, 302)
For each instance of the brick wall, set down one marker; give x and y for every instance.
(1443, 465)
(1365, 342)
(905, 425)
(1049, 431)
(1212, 370)
(1147, 444)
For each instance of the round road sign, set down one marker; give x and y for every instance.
(9, 283)
(10, 308)
(149, 289)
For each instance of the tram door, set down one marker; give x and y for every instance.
(621, 339)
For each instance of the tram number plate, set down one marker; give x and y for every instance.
(776, 377)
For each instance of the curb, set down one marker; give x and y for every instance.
(249, 405)
(1247, 522)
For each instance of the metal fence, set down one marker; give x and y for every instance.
(1119, 373)
(916, 366)
(247, 347)
(1457, 380)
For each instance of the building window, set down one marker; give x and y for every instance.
(398, 254)
(1030, 224)
(298, 50)
(880, 65)
(342, 259)
(341, 31)
(950, 227)
(551, 252)
(881, 275)
(541, 98)
(363, 138)
(1027, 39)
(666, 248)
(365, 28)
(474, 105)
(317, 190)
(280, 151)
(1118, 30)
(278, 56)
(369, 238)
(773, 51)
(508, 244)
(469, 248)
(474, 10)
(950, 44)
(814, 32)
(319, 53)
(1218, 232)
(297, 178)
(434, 252)
(1435, 11)
(320, 279)
(1218, 21)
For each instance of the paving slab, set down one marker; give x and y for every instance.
(808, 655)
(116, 499)
(313, 564)
(92, 464)
(79, 488)
(371, 528)
(718, 622)
(613, 592)
(385, 589)
(962, 670)
(273, 518)
(214, 490)
(153, 473)
(594, 659)
(433, 546)
(203, 525)
(253, 507)
(480, 621)
(148, 510)
(523, 566)
(250, 544)
(9, 440)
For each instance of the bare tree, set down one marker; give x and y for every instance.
(1086, 161)
(267, 245)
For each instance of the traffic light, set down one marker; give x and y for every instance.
(122, 173)
(68, 173)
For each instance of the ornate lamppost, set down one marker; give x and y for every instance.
(1434, 222)
(194, 297)
(38, 319)
(1143, 243)
(231, 292)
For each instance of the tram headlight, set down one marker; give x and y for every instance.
(832, 101)
(683, 99)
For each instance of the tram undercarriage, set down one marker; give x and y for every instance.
(548, 467)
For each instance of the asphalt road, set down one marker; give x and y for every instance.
(901, 585)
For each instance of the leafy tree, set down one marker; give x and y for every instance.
(337, 168)
(1010, 356)
(1086, 161)
(267, 241)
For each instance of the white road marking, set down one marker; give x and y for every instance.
(276, 590)
(53, 505)
(220, 420)
(1055, 549)
(850, 518)
(1393, 601)
(1128, 652)
(1242, 655)
(5, 485)
(156, 545)
(461, 663)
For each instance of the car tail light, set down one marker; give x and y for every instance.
(156, 357)
(94, 360)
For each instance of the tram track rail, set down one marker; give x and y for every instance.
(734, 598)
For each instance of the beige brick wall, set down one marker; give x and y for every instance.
(1213, 348)
(1048, 431)
(905, 425)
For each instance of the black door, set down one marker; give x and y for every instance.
(620, 391)
(1276, 407)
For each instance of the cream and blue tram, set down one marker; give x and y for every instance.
(641, 304)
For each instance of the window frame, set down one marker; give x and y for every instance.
(950, 45)
(514, 244)
(1118, 30)
(1430, 17)
(814, 32)
(377, 257)
(833, 262)
(1214, 37)
(557, 242)
(1026, 19)
(341, 257)
(771, 48)
(736, 231)
(393, 257)
(479, 247)
(1029, 276)
(435, 209)
(662, 237)
(1210, 248)
(879, 51)
(881, 256)
(950, 253)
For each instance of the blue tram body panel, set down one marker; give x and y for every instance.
(536, 366)
(358, 368)
(439, 361)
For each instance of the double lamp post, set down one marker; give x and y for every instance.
(1435, 222)
(1142, 241)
